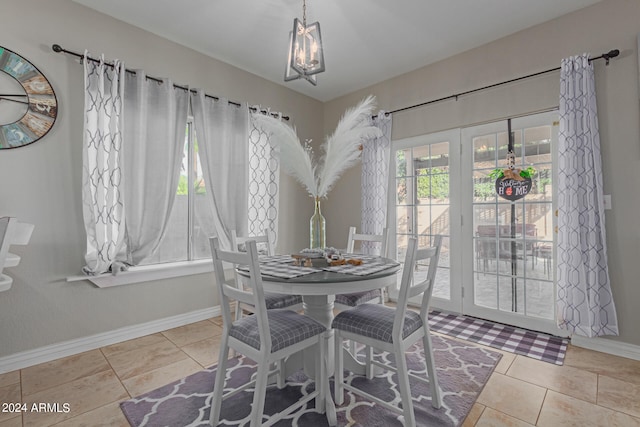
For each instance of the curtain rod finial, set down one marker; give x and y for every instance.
(611, 54)
(57, 48)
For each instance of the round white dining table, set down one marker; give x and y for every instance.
(318, 291)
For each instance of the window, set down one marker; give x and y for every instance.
(185, 238)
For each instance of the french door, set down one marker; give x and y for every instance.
(497, 260)
(425, 176)
(510, 246)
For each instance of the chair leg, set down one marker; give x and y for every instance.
(339, 370)
(216, 400)
(368, 365)
(403, 386)
(259, 394)
(321, 375)
(280, 383)
(436, 394)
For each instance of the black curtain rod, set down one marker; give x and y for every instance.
(606, 56)
(59, 49)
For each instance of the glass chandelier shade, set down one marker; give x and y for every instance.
(306, 51)
(292, 74)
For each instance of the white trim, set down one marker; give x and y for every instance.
(68, 348)
(147, 273)
(617, 348)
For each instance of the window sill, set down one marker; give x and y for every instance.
(148, 273)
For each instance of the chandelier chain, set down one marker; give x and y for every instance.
(304, 13)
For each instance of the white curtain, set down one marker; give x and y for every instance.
(584, 300)
(154, 135)
(264, 182)
(222, 130)
(375, 180)
(102, 198)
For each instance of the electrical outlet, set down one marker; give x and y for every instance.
(607, 201)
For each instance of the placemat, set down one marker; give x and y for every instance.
(282, 270)
(363, 269)
(268, 259)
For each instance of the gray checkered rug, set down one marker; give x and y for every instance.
(536, 345)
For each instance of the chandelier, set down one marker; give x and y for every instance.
(306, 58)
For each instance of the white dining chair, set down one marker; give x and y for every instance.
(272, 300)
(346, 301)
(12, 232)
(393, 330)
(267, 337)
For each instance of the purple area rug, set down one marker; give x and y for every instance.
(463, 370)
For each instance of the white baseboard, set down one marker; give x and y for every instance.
(68, 348)
(604, 345)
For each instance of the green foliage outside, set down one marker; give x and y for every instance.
(434, 185)
(183, 185)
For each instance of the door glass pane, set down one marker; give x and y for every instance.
(422, 204)
(513, 241)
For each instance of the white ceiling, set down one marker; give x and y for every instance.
(365, 41)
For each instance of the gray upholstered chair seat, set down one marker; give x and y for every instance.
(275, 301)
(286, 327)
(375, 321)
(357, 298)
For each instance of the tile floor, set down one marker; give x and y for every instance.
(591, 389)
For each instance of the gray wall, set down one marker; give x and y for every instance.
(41, 183)
(607, 25)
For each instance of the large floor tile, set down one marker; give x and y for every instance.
(564, 379)
(604, 364)
(505, 362)
(82, 395)
(12, 377)
(492, 418)
(204, 352)
(105, 416)
(128, 364)
(133, 344)
(12, 422)
(561, 410)
(513, 397)
(10, 395)
(61, 371)
(158, 377)
(217, 320)
(619, 395)
(473, 415)
(192, 332)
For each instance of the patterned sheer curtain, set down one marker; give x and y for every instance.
(584, 300)
(102, 198)
(154, 129)
(375, 180)
(264, 182)
(222, 131)
(130, 166)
